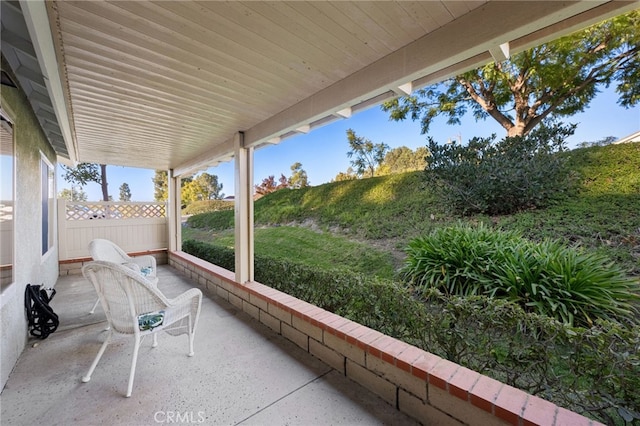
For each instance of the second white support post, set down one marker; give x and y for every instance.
(174, 213)
(243, 210)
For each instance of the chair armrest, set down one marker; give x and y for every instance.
(180, 308)
(188, 302)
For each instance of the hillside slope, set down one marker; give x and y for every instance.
(602, 215)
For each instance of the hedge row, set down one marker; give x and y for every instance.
(206, 206)
(594, 371)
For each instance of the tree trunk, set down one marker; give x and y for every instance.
(103, 182)
(517, 130)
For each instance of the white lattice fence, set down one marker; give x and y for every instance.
(134, 226)
(113, 210)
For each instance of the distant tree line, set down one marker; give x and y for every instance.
(298, 179)
(370, 159)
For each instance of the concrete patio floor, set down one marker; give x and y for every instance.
(242, 374)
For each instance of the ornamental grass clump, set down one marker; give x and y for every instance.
(547, 278)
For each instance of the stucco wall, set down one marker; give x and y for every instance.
(30, 266)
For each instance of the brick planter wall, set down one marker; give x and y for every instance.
(418, 383)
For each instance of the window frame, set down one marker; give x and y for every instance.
(47, 205)
(4, 283)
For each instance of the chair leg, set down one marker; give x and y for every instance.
(191, 353)
(132, 373)
(94, 309)
(95, 305)
(87, 376)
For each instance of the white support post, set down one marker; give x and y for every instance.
(174, 214)
(63, 234)
(243, 209)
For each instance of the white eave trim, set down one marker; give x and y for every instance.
(37, 21)
(218, 154)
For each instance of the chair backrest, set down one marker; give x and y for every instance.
(124, 294)
(102, 249)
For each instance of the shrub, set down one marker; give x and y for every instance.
(205, 206)
(547, 278)
(494, 337)
(513, 174)
(223, 257)
(219, 220)
(593, 371)
(607, 356)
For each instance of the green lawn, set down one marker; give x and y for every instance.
(309, 247)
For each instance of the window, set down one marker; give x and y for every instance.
(48, 207)
(7, 201)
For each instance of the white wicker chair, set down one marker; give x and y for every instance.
(128, 299)
(106, 250)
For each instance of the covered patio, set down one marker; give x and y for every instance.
(243, 373)
(184, 86)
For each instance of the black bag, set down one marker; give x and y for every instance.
(42, 320)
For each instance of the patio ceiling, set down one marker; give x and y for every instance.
(167, 85)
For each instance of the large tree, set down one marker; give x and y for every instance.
(560, 78)
(161, 185)
(203, 187)
(366, 154)
(211, 188)
(84, 173)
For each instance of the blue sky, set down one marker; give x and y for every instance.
(323, 152)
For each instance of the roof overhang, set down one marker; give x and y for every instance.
(167, 85)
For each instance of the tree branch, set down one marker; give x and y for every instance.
(491, 109)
